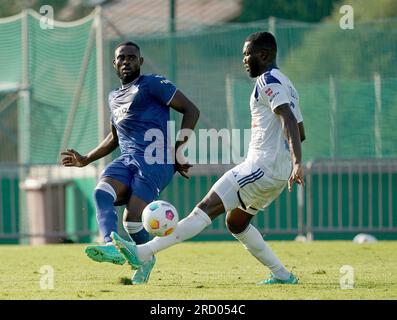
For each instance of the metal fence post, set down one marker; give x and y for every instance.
(100, 81)
(24, 121)
(378, 115)
(309, 208)
(333, 117)
(301, 202)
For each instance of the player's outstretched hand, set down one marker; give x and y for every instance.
(181, 164)
(71, 158)
(296, 176)
(183, 169)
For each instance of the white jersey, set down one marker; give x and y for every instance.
(269, 147)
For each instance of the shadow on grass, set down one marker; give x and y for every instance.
(125, 281)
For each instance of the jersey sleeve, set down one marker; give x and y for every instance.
(297, 113)
(295, 106)
(162, 89)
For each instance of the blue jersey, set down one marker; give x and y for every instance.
(138, 107)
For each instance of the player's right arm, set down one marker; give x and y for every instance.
(294, 137)
(71, 158)
(291, 122)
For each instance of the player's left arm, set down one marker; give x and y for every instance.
(294, 137)
(191, 113)
(166, 92)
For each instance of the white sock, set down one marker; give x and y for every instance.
(253, 241)
(132, 227)
(187, 228)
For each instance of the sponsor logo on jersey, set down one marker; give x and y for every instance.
(120, 113)
(273, 96)
(121, 103)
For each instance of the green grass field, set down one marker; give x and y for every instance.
(204, 271)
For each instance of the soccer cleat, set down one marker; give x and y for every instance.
(272, 280)
(105, 254)
(127, 249)
(141, 276)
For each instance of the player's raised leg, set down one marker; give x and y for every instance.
(105, 194)
(201, 217)
(132, 220)
(224, 196)
(132, 223)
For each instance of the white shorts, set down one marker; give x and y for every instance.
(248, 187)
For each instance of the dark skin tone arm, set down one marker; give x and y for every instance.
(191, 114)
(180, 103)
(294, 136)
(301, 131)
(72, 158)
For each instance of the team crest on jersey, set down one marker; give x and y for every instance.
(269, 92)
(163, 81)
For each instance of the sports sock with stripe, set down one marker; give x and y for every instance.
(136, 232)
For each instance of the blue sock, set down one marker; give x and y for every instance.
(136, 232)
(140, 237)
(105, 213)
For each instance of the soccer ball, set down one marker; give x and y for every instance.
(160, 218)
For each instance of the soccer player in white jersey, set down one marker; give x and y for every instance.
(273, 162)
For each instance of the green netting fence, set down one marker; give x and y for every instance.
(346, 80)
(54, 84)
(54, 73)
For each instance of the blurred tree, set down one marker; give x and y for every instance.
(302, 10)
(349, 59)
(12, 7)
(356, 53)
(63, 9)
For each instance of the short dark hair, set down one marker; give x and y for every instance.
(127, 43)
(263, 40)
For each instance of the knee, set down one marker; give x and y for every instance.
(233, 225)
(96, 195)
(204, 205)
(103, 199)
(130, 215)
(212, 205)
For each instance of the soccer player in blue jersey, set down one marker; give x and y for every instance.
(141, 104)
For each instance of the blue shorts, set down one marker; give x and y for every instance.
(145, 181)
